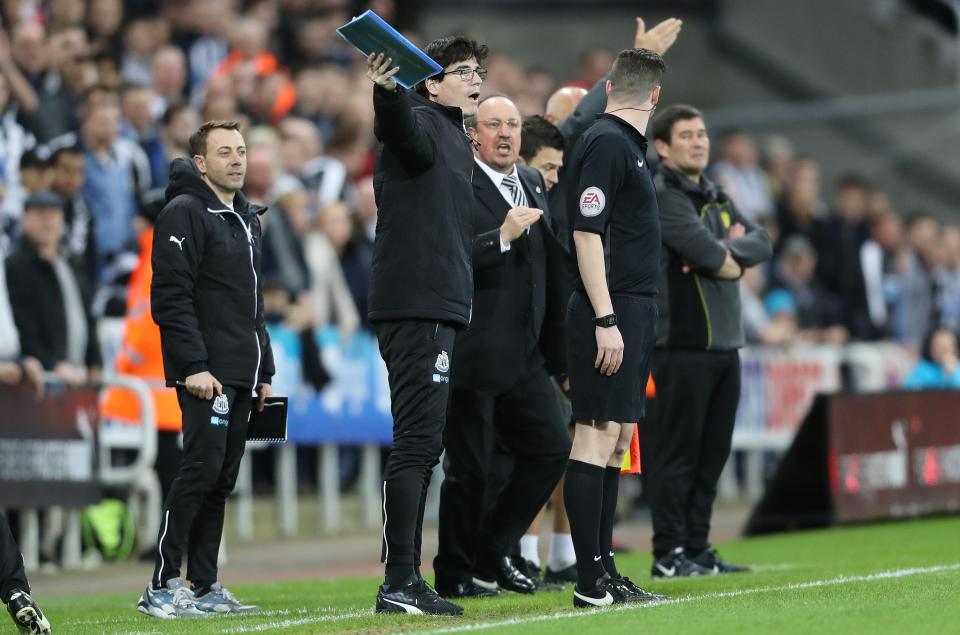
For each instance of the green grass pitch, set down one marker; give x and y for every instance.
(892, 578)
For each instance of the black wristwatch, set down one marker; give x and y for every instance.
(606, 321)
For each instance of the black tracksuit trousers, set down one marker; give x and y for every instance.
(11, 563)
(685, 442)
(418, 356)
(214, 438)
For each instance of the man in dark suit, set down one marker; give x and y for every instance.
(501, 386)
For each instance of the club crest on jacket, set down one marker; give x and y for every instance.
(221, 405)
(443, 362)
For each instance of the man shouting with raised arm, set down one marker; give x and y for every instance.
(421, 288)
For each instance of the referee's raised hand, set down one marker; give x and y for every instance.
(379, 71)
(609, 350)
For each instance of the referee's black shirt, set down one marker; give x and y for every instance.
(611, 193)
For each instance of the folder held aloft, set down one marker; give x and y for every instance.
(370, 34)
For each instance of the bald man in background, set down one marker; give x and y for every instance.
(563, 102)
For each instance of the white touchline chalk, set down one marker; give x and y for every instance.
(882, 575)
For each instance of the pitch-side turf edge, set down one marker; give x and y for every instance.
(882, 575)
(331, 616)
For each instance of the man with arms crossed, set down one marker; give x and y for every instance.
(707, 244)
(207, 298)
(611, 318)
(421, 288)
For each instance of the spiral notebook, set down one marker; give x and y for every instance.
(371, 34)
(271, 424)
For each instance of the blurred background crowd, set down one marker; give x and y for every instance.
(98, 96)
(848, 160)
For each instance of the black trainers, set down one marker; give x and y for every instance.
(416, 598)
(711, 561)
(605, 593)
(26, 614)
(635, 593)
(532, 571)
(677, 565)
(563, 576)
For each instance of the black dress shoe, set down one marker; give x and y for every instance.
(465, 590)
(563, 576)
(532, 571)
(504, 575)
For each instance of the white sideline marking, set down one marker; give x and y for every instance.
(270, 626)
(329, 615)
(882, 575)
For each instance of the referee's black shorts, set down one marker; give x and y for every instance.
(621, 396)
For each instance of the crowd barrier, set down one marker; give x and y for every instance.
(54, 460)
(778, 387)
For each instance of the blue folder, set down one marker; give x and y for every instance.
(370, 34)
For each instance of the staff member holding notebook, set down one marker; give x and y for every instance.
(421, 287)
(207, 298)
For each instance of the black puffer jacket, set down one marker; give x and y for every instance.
(421, 256)
(206, 294)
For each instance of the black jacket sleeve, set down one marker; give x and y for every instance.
(398, 127)
(26, 314)
(754, 247)
(683, 231)
(486, 250)
(267, 368)
(175, 267)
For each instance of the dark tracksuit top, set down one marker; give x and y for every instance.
(207, 294)
(422, 252)
(697, 310)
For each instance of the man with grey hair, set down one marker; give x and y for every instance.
(501, 388)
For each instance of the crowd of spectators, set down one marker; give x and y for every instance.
(847, 266)
(97, 96)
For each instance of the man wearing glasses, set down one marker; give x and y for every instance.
(501, 388)
(421, 288)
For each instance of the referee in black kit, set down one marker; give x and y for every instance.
(612, 315)
(421, 288)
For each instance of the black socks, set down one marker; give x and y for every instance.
(582, 493)
(611, 487)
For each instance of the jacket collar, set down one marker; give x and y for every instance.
(241, 206)
(706, 189)
(453, 113)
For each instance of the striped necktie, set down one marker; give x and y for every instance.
(516, 192)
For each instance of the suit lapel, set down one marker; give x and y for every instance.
(489, 196)
(536, 196)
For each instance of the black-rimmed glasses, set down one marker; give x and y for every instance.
(466, 73)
